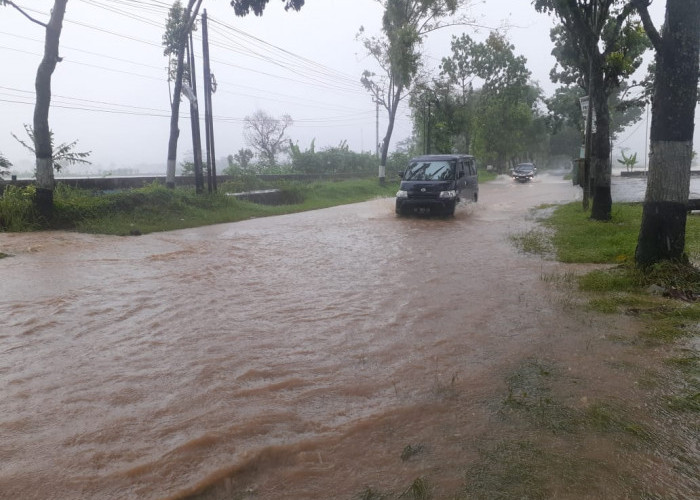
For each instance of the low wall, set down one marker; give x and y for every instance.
(643, 173)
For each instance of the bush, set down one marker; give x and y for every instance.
(17, 212)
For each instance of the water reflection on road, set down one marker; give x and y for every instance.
(148, 367)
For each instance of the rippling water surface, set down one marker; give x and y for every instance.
(153, 366)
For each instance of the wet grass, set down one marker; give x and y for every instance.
(535, 241)
(531, 399)
(372, 494)
(156, 208)
(580, 239)
(411, 450)
(664, 296)
(687, 398)
(524, 469)
(418, 490)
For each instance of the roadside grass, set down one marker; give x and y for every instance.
(524, 469)
(156, 208)
(535, 241)
(620, 287)
(664, 297)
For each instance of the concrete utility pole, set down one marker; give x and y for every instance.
(194, 120)
(209, 87)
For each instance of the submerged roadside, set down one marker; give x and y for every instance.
(602, 402)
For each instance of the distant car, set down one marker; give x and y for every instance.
(434, 184)
(524, 172)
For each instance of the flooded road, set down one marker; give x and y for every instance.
(284, 357)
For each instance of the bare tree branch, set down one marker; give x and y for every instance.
(10, 2)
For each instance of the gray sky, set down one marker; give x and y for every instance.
(110, 92)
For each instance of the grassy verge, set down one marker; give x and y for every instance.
(155, 208)
(664, 298)
(623, 288)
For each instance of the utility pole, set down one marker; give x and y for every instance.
(209, 117)
(194, 120)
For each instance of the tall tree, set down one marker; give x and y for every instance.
(42, 84)
(505, 126)
(597, 45)
(664, 216)
(405, 23)
(178, 26)
(266, 135)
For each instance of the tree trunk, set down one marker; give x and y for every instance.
(664, 215)
(42, 132)
(600, 152)
(177, 91)
(393, 108)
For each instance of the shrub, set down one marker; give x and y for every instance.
(17, 212)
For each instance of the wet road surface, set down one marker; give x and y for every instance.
(284, 357)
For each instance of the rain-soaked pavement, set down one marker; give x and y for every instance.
(290, 357)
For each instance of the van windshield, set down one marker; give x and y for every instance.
(430, 171)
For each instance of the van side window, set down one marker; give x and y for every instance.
(472, 167)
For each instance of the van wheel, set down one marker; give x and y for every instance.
(476, 197)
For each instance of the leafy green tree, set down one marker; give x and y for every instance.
(664, 214)
(242, 159)
(499, 121)
(405, 24)
(61, 155)
(243, 7)
(178, 26)
(460, 72)
(43, 199)
(597, 45)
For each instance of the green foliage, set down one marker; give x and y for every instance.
(63, 154)
(628, 161)
(333, 160)
(187, 168)
(17, 212)
(156, 208)
(499, 122)
(397, 52)
(175, 25)
(5, 164)
(240, 163)
(581, 239)
(243, 7)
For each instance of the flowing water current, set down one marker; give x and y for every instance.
(283, 357)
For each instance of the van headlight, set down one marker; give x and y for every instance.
(448, 194)
(401, 194)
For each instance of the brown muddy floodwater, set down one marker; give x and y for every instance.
(284, 357)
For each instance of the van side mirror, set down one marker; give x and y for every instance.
(400, 173)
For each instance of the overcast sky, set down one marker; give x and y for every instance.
(111, 92)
